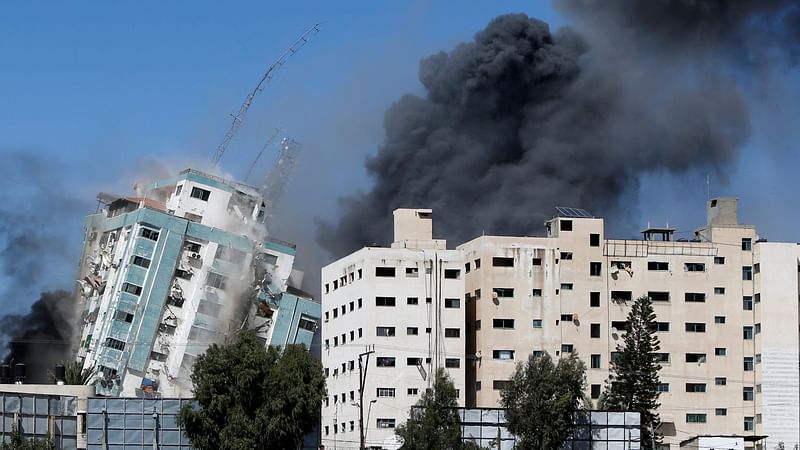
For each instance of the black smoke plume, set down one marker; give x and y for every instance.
(40, 237)
(522, 119)
(43, 337)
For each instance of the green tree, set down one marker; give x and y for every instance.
(251, 397)
(633, 382)
(434, 424)
(541, 399)
(17, 441)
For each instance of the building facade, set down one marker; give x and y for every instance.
(177, 267)
(392, 316)
(726, 302)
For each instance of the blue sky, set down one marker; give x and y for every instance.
(115, 92)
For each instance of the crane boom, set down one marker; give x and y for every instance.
(261, 152)
(238, 118)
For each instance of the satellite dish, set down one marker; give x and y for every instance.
(614, 330)
(614, 270)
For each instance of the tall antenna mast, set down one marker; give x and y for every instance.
(261, 152)
(238, 118)
(277, 178)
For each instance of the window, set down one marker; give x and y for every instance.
(123, 316)
(131, 289)
(452, 363)
(720, 381)
(477, 294)
(478, 324)
(661, 357)
(218, 281)
(566, 256)
(720, 351)
(452, 303)
(749, 423)
(621, 296)
(747, 303)
(594, 330)
(503, 292)
(385, 392)
(412, 272)
(536, 293)
(595, 362)
(719, 260)
(386, 423)
(695, 418)
(384, 331)
(747, 244)
(352, 306)
(412, 391)
(661, 326)
(595, 391)
(477, 264)
(594, 299)
(747, 333)
(657, 265)
(452, 274)
(567, 348)
(156, 356)
(352, 335)
(412, 331)
(695, 327)
(595, 269)
(757, 298)
(695, 357)
(335, 313)
(413, 361)
(467, 268)
(747, 273)
(658, 296)
(748, 363)
(594, 240)
(385, 361)
(503, 354)
(507, 324)
(344, 309)
(537, 323)
(384, 272)
(719, 290)
(695, 387)
(499, 261)
(697, 297)
(452, 332)
(695, 267)
(662, 387)
(500, 384)
(757, 329)
(115, 344)
(201, 194)
(748, 394)
(147, 233)
(566, 317)
(236, 256)
(384, 301)
(620, 325)
(141, 262)
(536, 261)
(757, 268)
(178, 189)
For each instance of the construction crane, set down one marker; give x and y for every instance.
(269, 142)
(278, 176)
(238, 118)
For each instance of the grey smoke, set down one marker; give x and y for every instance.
(40, 238)
(522, 119)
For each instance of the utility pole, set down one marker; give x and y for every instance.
(362, 378)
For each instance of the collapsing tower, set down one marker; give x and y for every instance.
(183, 264)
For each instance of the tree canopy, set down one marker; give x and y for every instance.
(434, 424)
(16, 441)
(541, 399)
(633, 381)
(252, 397)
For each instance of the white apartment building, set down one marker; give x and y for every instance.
(726, 305)
(392, 315)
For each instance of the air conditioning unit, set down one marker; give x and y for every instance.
(194, 255)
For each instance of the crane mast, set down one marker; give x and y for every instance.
(278, 176)
(238, 118)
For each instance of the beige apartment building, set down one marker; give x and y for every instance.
(726, 301)
(726, 305)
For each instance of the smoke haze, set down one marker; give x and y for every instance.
(522, 119)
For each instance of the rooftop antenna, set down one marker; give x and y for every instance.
(261, 152)
(278, 176)
(238, 118)
(708, 187)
